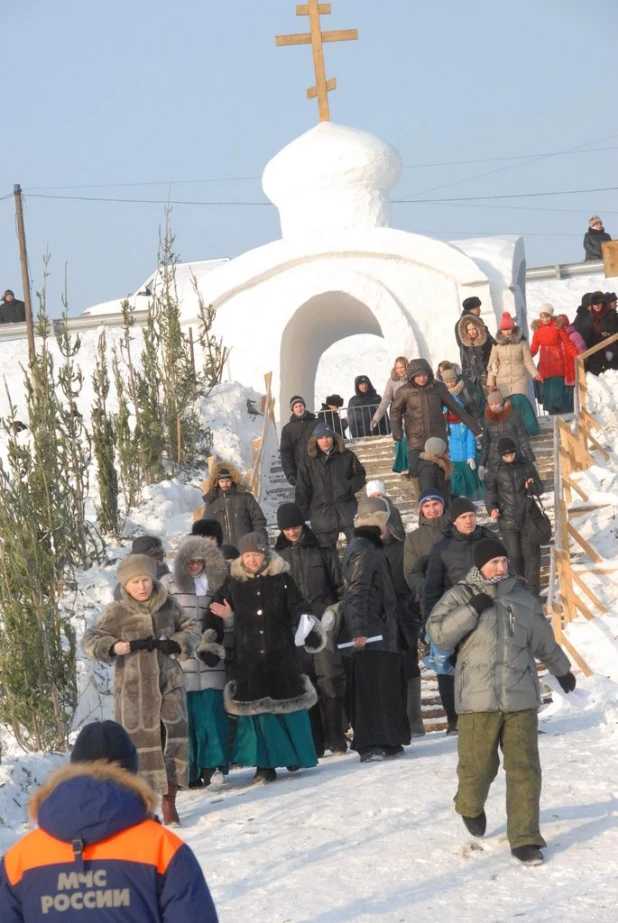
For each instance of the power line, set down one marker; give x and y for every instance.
(512, 195)
(83, 198)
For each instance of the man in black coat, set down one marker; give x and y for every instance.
(229, 501)
(375, 670)
(362, 408)
(316, 571)
(594, 238)
(329, 477)
(449, 562)
(295, 436)
(510, 488)
(12, 311)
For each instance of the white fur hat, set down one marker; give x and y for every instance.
(546, 309)
(372, 512)
(375, 487)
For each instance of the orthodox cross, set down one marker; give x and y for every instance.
(316, 38)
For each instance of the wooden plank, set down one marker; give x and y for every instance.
(581, 541)
(331, 84)
(341, 35)
(598, 446)
(576, 656)
(302, 9)
(590, 419)
(594, 599)
(298, 39)
(609, 249)
(573, 485)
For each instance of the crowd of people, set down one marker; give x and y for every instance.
(270, 655)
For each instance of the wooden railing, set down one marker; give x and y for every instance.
(572, 446)
(256, 472)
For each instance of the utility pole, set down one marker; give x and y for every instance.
(25, 278)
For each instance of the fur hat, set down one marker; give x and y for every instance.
(506, 322)
(372, 511)
(375, 487)
(472, 302)
(459, 506)
(229, 552)
(208, 528)
(609, 297)
(597, 298)
(488, 549)
(146, 544)
(594, 220)
(253, 542)
(546, 309)
(297, 399)
(586, 299)
(136, 565)
(506, 445)
(495, 396)
(334, 400)
(449, 375)
(289, 516)
(435, 446)
(322, 430)
(105, 740)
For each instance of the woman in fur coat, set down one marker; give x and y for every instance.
(476, 343)
(551, 339)
(269, 694)
(199, 571)
(145, 635)
(510, 367)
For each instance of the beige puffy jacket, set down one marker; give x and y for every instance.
(510, 364)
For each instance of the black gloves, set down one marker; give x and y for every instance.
(208, 658)
(567, 682)
(480, 602)
(292, 480)
(143, 644)
(169, 647)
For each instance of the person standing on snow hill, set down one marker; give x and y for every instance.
(362, 409)
(329, 414)
(497, 630)
(510, 366)
(295, 436)
(329, 477)
(269, 694)
(228, 500)
(550, 337)
(594, 238)
(143, 635)
(97, 853)
(12, 311)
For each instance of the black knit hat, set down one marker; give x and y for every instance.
(223, 473)
(230, 552)
(609, 297)
(586, 299)
(459, 506)
(469, 303)
(105, 740)
(297, 399)
(146, 544)
(208, 528)
(488, 549)
(289, 516)
(9, 291)
(506, 445)
(334, 400)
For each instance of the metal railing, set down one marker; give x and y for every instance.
(565, 270)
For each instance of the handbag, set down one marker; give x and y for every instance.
(401, 461)
(537, 525)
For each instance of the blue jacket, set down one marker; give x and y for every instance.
(461, 442)
(97, 856)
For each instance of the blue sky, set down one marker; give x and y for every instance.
(146, 91)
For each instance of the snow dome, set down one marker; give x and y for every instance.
(332, 178)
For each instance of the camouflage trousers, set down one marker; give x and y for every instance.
(481, 735)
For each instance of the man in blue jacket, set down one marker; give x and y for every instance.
(98, 855)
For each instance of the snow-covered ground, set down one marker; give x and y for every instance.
(381, 842)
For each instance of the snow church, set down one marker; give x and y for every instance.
(341, 269)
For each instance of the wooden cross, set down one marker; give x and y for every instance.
(316, 38)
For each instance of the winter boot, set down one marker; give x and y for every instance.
(390, 752)
(207, 775)
(168, 806)
(413, 707)
(476, 825)
(264, 776)
(371, 755)
(528, 855)
(333, 713)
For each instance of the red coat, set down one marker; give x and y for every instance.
(557, 351)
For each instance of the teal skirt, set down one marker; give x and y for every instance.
(401, 462)
(555, 396)
(209, 732)
(465, 482)
(269, 741)
(525, 410)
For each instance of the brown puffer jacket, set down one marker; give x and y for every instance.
(420, 409)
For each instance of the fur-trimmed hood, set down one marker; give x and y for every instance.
(276, 565)
(91, 802)
(504, 414)
(210, 484)
(515, 337)
(480, 326)
(195, 548)
(441, 461)
(554, 322)
(312, 445)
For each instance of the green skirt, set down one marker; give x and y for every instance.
(555, 396)
(209, 732)
(526, 411)
(465, 482)
(269, 741)
(401, 462)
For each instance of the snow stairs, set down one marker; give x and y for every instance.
(376, 455)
